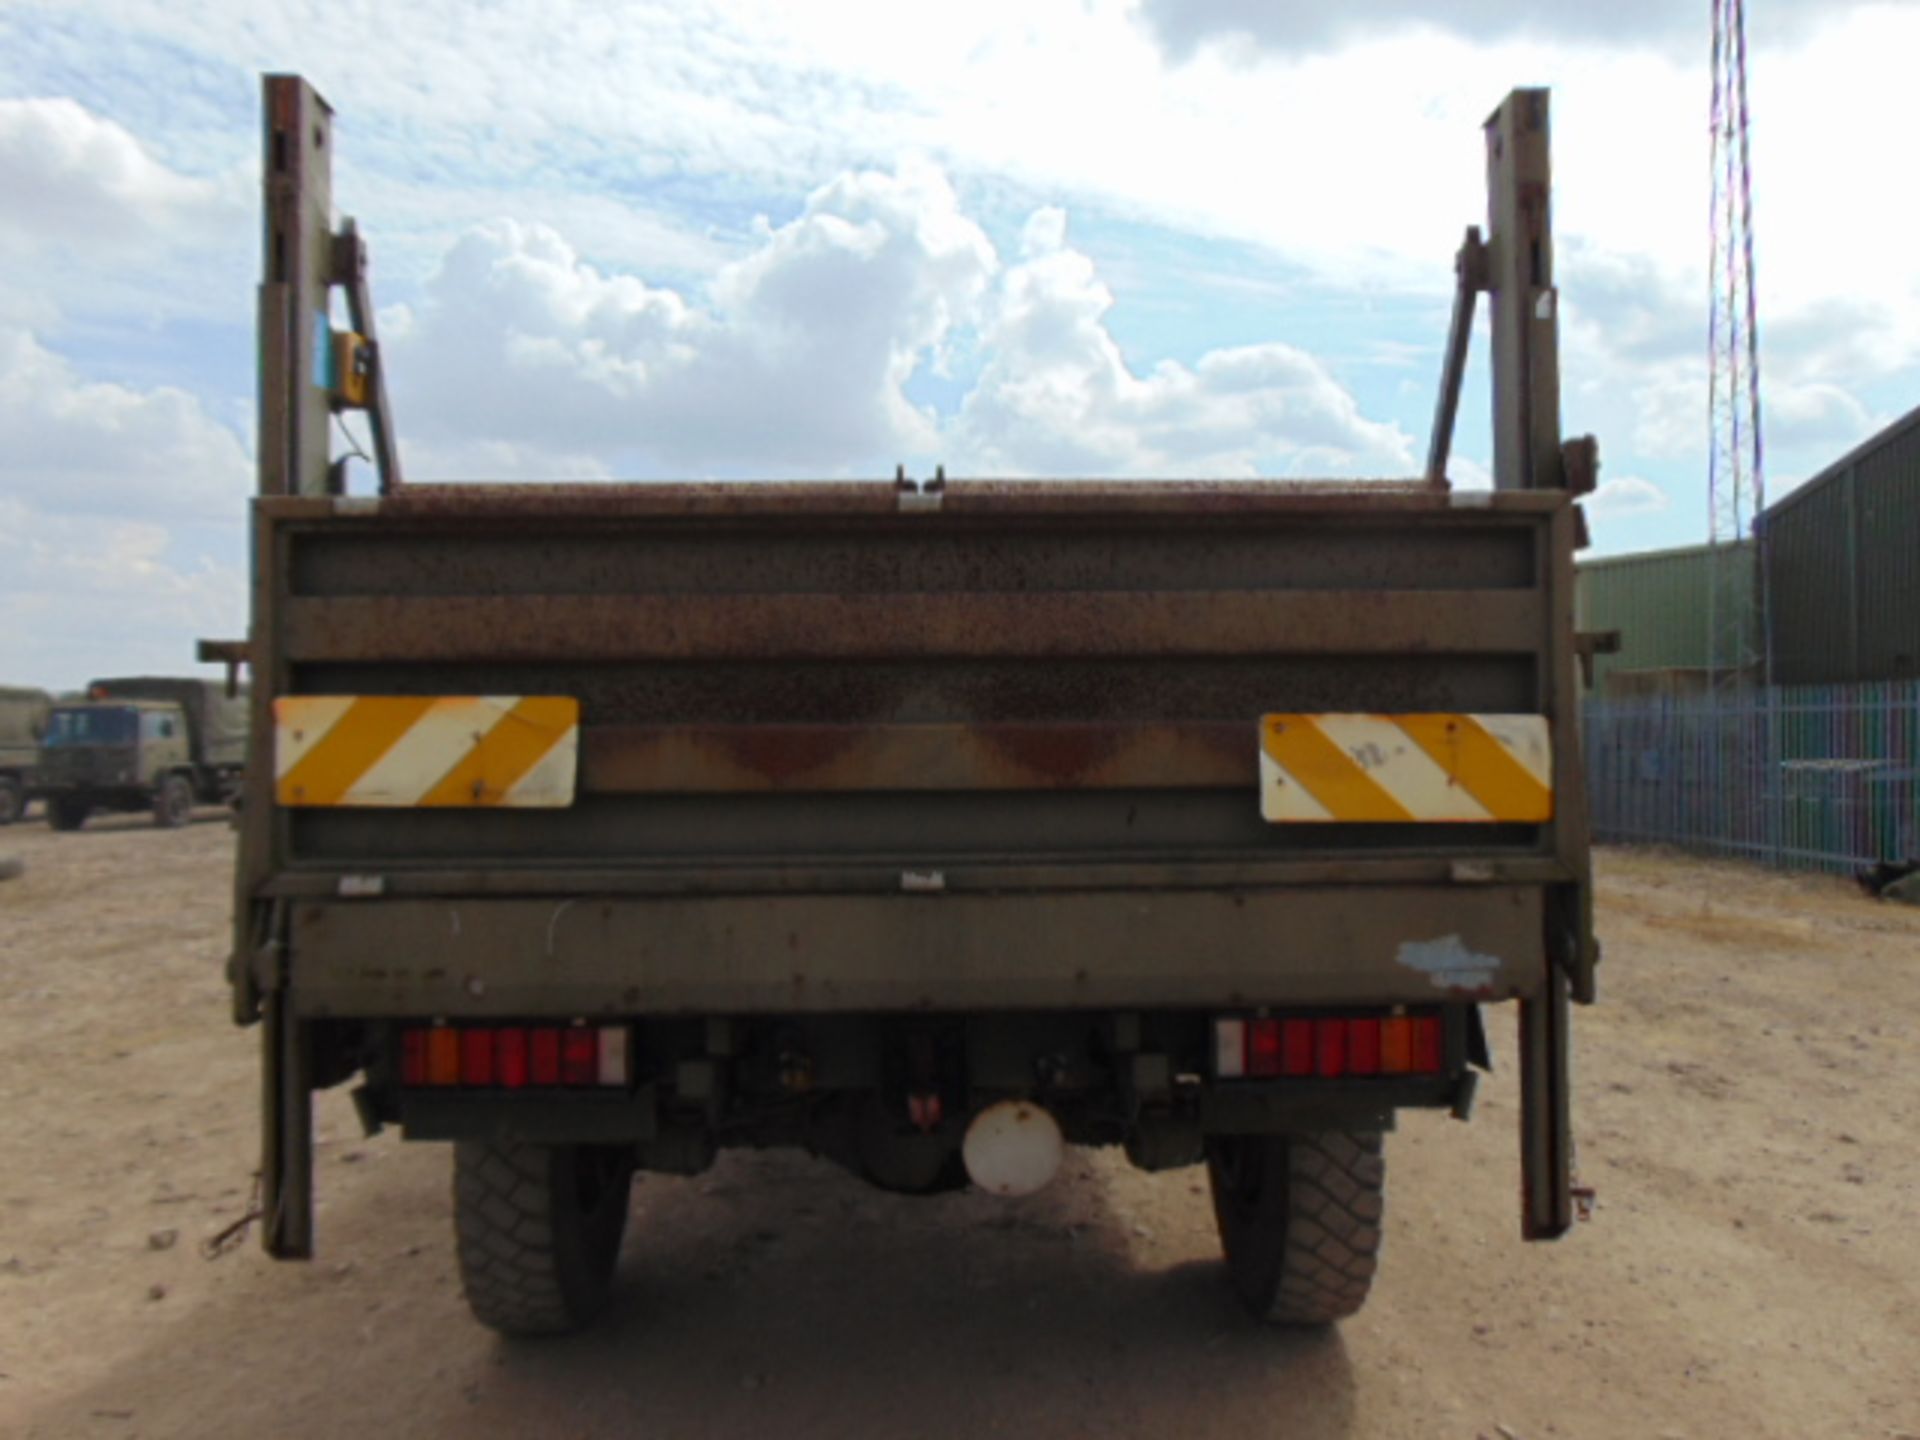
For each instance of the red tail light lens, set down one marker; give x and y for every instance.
(543, 1062)
(579, 1057)
(413, 1057)
(510, 1058)
(1363, 1047)
(1324, 1047)
(476, 1057)
(443, 1056)
(1330, 1047)
(1426, 1044)
(513, 1057)
(1296, 1047)
(1396, 1045)
(1263, 1048)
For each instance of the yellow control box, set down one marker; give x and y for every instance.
(350, 371)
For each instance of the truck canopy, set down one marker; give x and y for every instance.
(23, 718)
(216, 722)
(23, 715)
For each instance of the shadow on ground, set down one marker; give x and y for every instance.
(774, 1295)
(114, 820)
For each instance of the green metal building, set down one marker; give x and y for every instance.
(1843, 584)
(1658, 601)
(1844, 561)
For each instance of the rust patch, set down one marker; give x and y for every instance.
(1059, 625)
(781, 752)
(1059, 752)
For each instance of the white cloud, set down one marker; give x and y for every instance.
(73, 178)
(411, 226)
(495, 460)
(1468, 474)
(797, 359)
(93, 226)
(85, 595)
(646, 135)
(1657, 411)
(83, 447)
(1076, 103)
(1814, 414)
(1294, 26)
(120, 523)
(1057, 397)
(1666, 410)
(1626, 495)
(602, 121)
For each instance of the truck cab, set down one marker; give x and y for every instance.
(121, 755)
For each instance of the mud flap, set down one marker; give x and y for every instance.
(286, 1131)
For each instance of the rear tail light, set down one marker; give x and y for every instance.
(516, 1057)
(1396, 1045)
(1296, 1047)
(1330, 1047)
(510, 1058)
(413, 1057)
(1410, 1045)
(1426, 1044)
(1363, 1047)
(476, 1057)
(443, 1057)
(1263, 1048)
(1327, 1047)
(579, 1057)
(543, 1065)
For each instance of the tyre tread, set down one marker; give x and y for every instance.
(1336, 1182)
(503, 1229)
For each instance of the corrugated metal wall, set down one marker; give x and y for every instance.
(1657, 600)
(1844, 562)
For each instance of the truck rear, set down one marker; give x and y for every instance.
(929, 827)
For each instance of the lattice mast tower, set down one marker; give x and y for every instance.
(1736, 473)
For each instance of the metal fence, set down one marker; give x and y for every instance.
(1818, 777)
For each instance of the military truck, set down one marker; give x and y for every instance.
(142, 743)
(23, 715)
(929, 826)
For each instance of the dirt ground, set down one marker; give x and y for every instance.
(1748, 1097)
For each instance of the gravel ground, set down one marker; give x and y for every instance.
(1746, 1105)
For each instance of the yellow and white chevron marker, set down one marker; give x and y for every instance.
(407, 752)
(1458, 768)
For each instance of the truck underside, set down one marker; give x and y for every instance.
(928, 827)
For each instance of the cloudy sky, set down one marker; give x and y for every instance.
(1092, 237)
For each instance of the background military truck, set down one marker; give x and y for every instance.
(928, 826)
(23, 715)
(142, 743)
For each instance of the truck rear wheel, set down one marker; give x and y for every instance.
(173, 802)
(67, 812)
(13, 800)
(538, 1230)
(1299, 1219)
